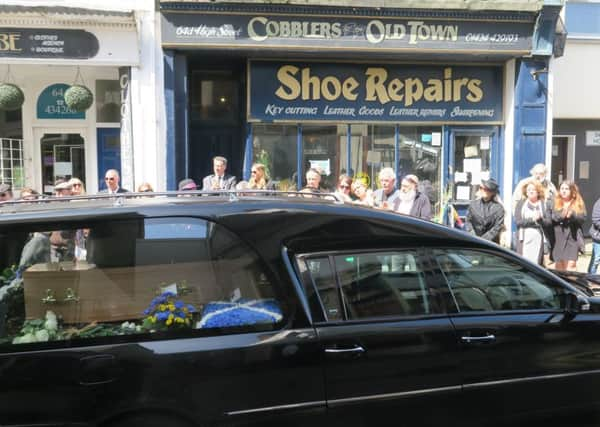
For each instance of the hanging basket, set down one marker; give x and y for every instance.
(78, 98)
(11, 97)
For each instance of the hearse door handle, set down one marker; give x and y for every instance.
(481, 339)
(350, 352)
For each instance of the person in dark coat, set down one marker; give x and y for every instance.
(595, 235)
(412, 202)
(568, 217)
(485, 216)
(533, 214)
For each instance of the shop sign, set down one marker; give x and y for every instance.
(282, 31)
(51, 104)
(47, 43)
(341, 92)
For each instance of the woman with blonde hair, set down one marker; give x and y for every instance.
(77, 187)
(567, 219)
(364, 195)
(532, 215)
(259, 179)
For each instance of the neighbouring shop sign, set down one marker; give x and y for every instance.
(51, 104)
(343, 92)
(47, 43)
(283, 31)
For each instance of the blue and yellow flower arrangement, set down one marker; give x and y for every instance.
(167, 312)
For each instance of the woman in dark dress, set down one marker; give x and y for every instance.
(568, 217)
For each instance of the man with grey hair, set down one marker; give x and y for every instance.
(112, 179)
(388, 195)
(539, 173)
(219, 180)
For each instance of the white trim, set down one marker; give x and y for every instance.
(509, 143)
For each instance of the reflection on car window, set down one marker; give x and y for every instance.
(324, 282)
(375, 284)
(134, 276)
(481, 281)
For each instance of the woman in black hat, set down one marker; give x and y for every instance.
(485, 217)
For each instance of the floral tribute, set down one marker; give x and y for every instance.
(166, 312)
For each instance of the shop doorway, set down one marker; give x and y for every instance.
(216, 120)
(473, 155)
(562, 159)
(62, 156)
(109, 151)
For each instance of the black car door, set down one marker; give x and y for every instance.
(390, 352)
(523, 354)
(165, 321)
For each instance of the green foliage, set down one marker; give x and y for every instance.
(78, 98)
(11, 97)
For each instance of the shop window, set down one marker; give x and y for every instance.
(63, 157)
(275, 147)
(11, 162)
(420, 154)
(472, 159)
(157, 277)
(108, 101)
(214, 97)
(372, 149)
(321, 149)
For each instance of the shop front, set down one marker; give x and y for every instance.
(344, 91)
(44, 52)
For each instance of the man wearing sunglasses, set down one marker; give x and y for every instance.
(111, 179)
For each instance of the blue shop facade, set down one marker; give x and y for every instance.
(452, 96)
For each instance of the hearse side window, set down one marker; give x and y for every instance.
(382, 284)
(372, 284)
(481, 281)
(168, 275)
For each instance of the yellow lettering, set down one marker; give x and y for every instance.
(307, 81)
(375, 89)
(458, 85)
(328, 82)
(394, 90)
(476, 93)
(285, 75)
(447, 84)
(414, 91)
(348, 87)
(434, 91)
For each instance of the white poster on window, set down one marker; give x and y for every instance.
(322, 166)
(584, 170)
(62, 169)
(436, 139)
(484, 143)
(463, 192)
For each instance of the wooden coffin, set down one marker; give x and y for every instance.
(82, 293)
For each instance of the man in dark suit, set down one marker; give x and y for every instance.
(111, 179)
(219, 180)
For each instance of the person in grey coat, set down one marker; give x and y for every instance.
(411, 201)
(485, 216)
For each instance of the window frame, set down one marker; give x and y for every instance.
(159, 335)
(437, 308)
(538, 275)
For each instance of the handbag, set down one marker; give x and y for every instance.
(595, 233)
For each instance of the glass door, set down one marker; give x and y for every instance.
(62, 157)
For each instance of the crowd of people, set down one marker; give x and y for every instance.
(549, 222)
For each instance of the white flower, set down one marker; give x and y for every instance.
(27, 338)
(42, 335)
(51, 323)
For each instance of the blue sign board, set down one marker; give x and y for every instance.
(51, 104)
(344, 92)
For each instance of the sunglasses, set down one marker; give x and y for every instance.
(109, 178)
(254, 172)
(77, 185)
(147, 190)
(345, 187)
